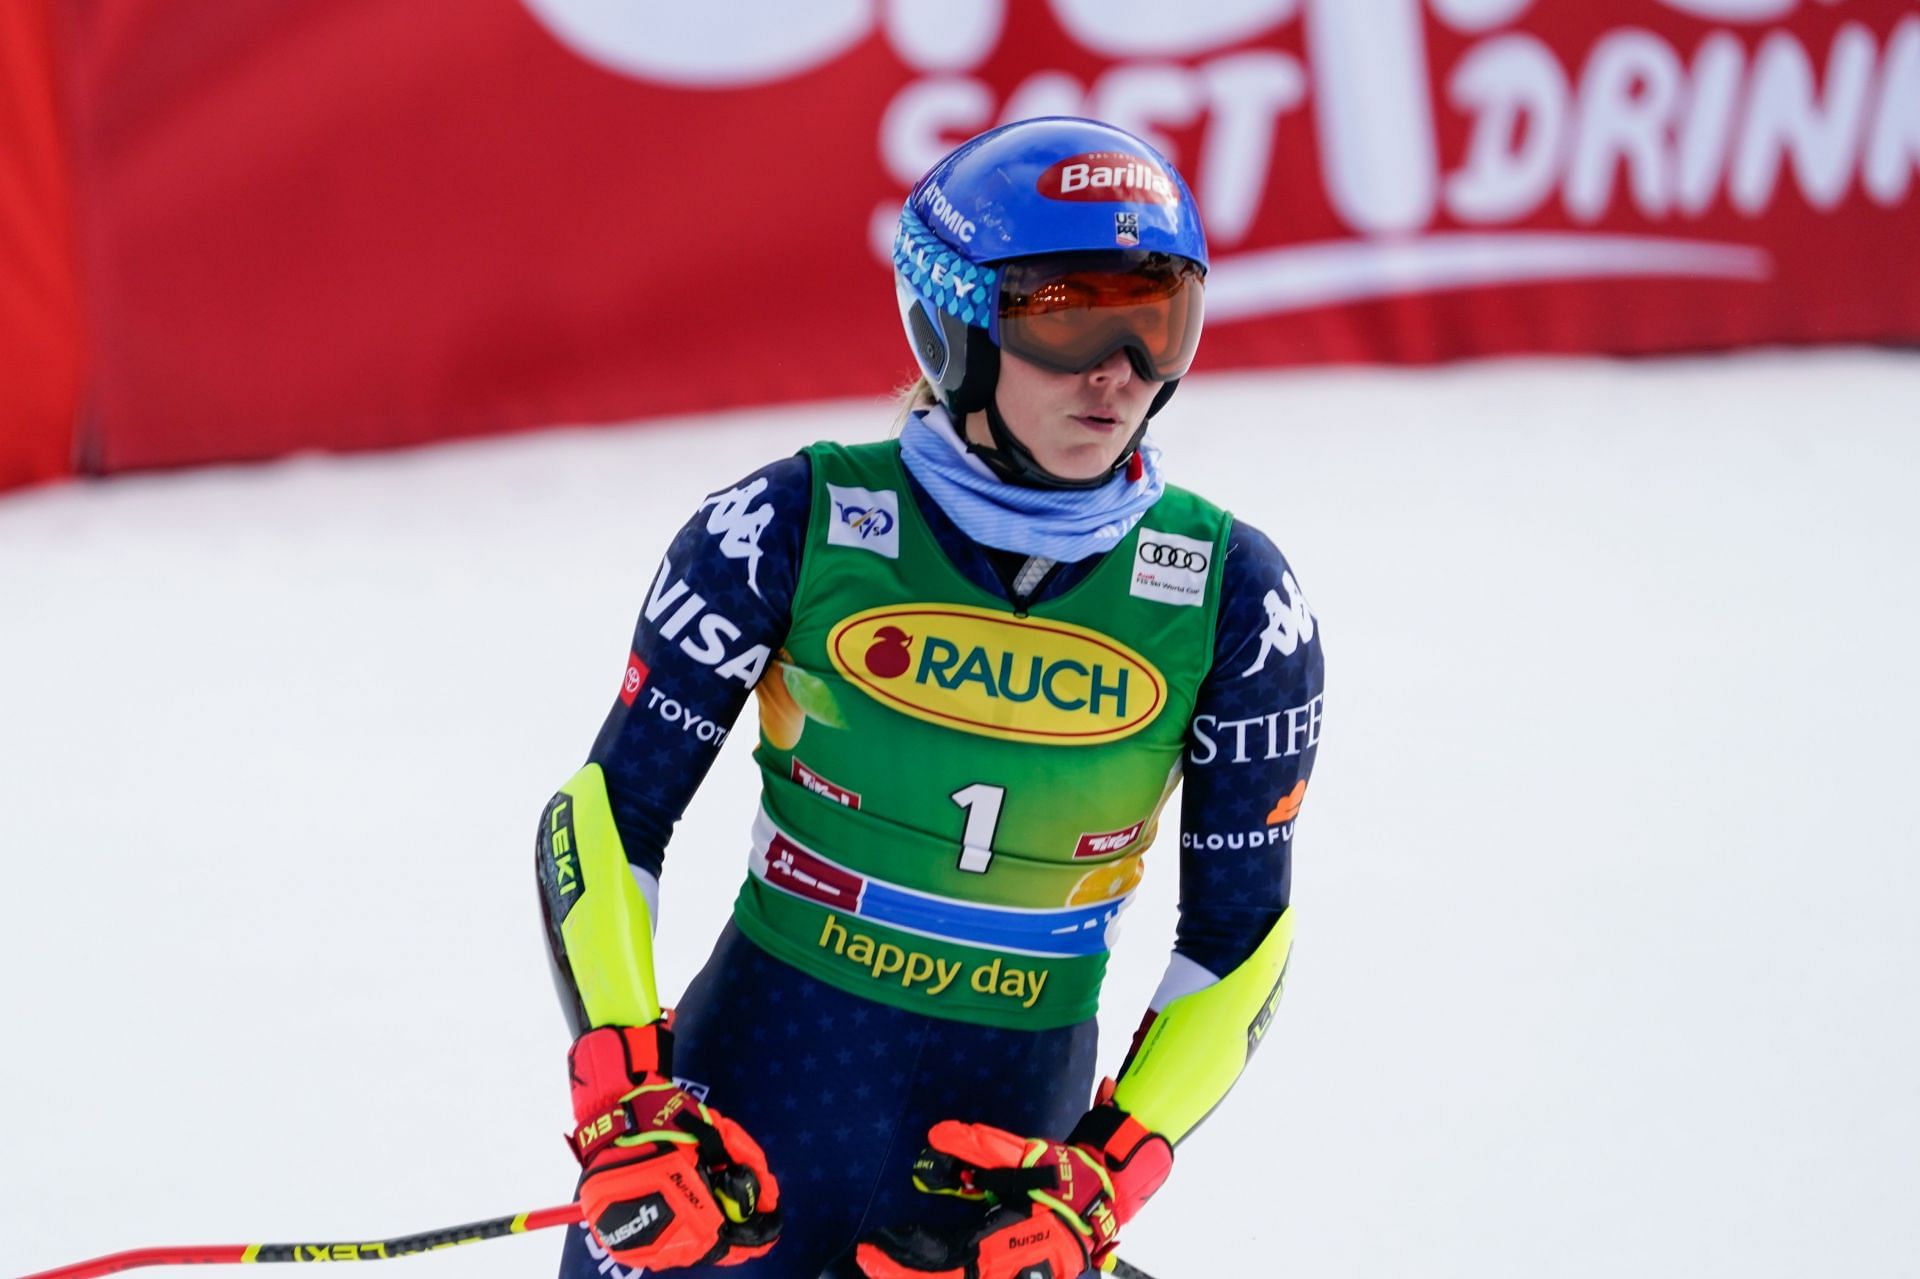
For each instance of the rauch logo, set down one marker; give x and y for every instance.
(981, 671)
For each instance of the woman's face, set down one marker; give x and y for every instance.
(1075, 424)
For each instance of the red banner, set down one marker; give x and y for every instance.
(39, 317)
(346, 223)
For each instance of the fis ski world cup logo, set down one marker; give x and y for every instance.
(865, 518)
(989, 673)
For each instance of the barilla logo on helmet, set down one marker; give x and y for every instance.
(1109, 176)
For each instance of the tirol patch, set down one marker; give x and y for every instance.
(1106, 843)
(1170, 568)
(1112, 176)
(982, 671)
(821, 786)
(865, 518)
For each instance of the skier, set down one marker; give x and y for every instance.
(985, 654)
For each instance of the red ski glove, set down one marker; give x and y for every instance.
(669, 1181)
(1060, 1205)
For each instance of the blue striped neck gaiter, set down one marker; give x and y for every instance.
(1061, 524)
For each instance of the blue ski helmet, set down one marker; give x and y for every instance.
(1006, 202)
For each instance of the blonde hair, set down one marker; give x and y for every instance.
(911, 398)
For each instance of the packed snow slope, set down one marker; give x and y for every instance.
(1605, 883)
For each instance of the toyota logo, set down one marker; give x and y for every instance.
(1164, 556)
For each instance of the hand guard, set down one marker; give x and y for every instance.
(668, 1180)
(1059, 1208)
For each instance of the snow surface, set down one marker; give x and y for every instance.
(1606, 882)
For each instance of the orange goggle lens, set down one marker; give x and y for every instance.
(1070, 313)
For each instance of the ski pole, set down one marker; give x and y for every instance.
(376, 1250)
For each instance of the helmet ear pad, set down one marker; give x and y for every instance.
(930, 345)
(959, 360)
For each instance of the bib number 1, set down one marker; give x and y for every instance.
(981, 803)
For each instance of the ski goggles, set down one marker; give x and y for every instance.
(1071, 311)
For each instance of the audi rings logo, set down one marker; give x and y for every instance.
(1170, 568)
(1162, 555)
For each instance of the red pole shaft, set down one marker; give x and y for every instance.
(145, 1257)
(540, 1219)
